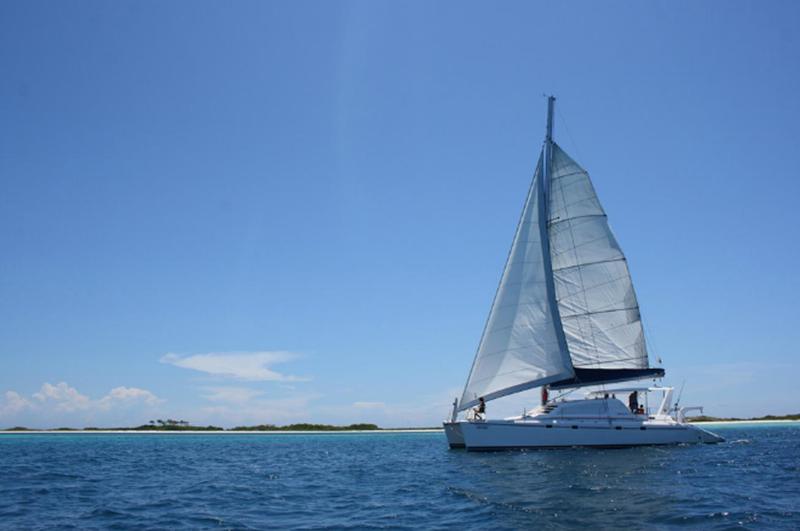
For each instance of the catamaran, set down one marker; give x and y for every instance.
(565, 316)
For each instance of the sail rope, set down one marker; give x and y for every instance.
(563, 119)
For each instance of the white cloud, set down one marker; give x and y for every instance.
(13, 404)
(62, 397)
(128, 396)
(251, 366)
(65, 405)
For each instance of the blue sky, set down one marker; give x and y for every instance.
(284, 212)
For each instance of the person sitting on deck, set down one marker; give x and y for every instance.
(480, 411)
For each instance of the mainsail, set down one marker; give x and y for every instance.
(523, 345)
(565, 312)
(596, 301)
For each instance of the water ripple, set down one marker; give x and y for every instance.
(397, 481)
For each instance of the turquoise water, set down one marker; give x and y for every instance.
(393, 480)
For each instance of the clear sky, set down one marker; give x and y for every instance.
(299, 211)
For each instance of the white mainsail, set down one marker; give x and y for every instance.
(522, 345)
(597, 304)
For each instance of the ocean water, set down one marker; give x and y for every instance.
(393, 480)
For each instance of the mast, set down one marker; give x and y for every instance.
(548, 145)
(544, 235)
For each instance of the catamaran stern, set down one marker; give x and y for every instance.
(455, 438)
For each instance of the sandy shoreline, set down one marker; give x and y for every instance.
(704, 422)
(360, 432)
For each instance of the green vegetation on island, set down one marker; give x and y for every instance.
(182, 425)
(307, 427)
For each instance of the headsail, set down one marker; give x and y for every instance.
(523, 345)
(597, 303)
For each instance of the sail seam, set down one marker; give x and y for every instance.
(486, 355)
(501, 374)
(558, 219)
(611, 329)
(620, 259)
(586, 314)
(518, 304)
(575, 203)
(584, 244)
(582, 172)
(521, 283)
(592, 287)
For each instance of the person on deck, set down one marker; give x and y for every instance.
(480, 411)
(633, 401)
(545, 395)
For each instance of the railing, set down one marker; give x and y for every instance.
(682, 412)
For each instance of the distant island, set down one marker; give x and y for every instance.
(705, 418)
(182, 425)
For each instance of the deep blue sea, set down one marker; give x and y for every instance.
(393, 480)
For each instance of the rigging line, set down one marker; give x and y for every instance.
(651, 343)
(569, 133)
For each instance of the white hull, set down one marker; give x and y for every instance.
(553, 429)
(454, 436)
(500, 435)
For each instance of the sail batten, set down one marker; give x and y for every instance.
(620, 259)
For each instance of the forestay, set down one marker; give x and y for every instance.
(522, 345)
(597, 304)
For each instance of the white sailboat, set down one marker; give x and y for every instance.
(565, 316)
